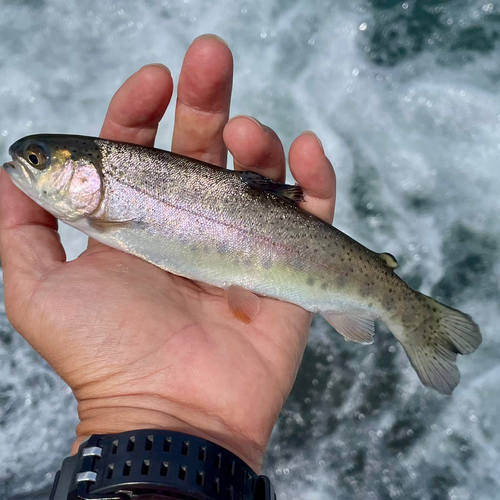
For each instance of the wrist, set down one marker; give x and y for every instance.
(117, 414)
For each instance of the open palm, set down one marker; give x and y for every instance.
(142, 348)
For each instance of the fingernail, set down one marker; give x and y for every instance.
(210, 35)
(250, 118)
(159, 65)
(310, 132)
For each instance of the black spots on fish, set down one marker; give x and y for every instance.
(324, 286)
(310, 281)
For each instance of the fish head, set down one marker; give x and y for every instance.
(63, 174)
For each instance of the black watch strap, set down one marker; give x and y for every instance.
(147, 462)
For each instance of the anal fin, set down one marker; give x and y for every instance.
(357, 326)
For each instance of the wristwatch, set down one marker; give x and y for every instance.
(152, 463)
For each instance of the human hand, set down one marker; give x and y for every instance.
(142, 348)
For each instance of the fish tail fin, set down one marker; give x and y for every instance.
(434, 344)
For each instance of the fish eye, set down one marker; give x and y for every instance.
(36, 156)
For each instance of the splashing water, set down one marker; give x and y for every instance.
(404, 96)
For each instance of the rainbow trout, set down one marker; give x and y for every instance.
(241, 232)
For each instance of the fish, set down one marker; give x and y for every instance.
(241, 232)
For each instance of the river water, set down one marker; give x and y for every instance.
(405, 98)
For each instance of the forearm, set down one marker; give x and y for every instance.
(119, 414)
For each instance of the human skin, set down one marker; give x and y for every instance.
(143, 348)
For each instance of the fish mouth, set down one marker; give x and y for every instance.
(19, 174)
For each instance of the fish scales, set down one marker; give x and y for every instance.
(233, 229)
(205, 209)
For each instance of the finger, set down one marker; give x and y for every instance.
(137, 108)
(255, 147)
(29, 242)
(203, 99)
(314, 173)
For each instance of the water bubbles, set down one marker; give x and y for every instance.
(380, 433)
(263, 34)
(314, 381)
(487, 7)
(363, 26)
(4, 133)
(473, 418)
(392, 349)
(405, 5)
(449, 431)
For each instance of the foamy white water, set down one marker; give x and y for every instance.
(405, 99)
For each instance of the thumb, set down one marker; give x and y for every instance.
(29, 242)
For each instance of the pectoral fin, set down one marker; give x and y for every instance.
(104, 225)
(357, 326)
(243, 304)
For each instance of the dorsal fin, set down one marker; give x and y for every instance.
(287, 192)
(389, 260)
